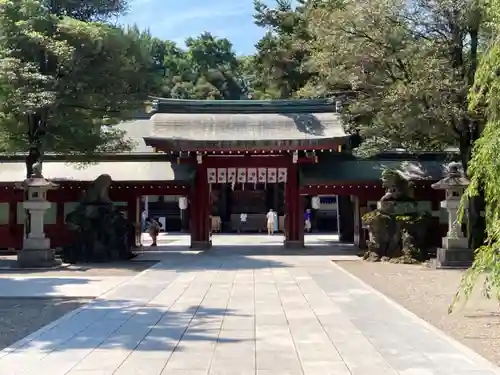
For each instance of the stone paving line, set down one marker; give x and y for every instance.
(225, 314)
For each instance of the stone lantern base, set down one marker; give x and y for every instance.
(454, 253)
(37, 258)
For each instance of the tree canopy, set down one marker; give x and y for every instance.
(410, 64)
(277, 70)
(64, 81)
(207, 69)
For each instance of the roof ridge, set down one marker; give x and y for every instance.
(167, 105)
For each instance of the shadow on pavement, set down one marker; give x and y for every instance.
(124, 324)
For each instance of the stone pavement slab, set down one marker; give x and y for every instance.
(227, 312)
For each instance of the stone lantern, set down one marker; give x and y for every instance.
(36, 251)
(454, 251)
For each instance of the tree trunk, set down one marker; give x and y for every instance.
(476, 223)
(32, 157)
(36, 136)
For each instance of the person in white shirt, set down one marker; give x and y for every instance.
(270, 222)
(243, 222)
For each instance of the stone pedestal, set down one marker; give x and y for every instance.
(454, 253)
(290, 244)
(201, 245)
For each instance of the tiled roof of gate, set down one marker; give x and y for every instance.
(265, 126)
(118, 170)
(136, 130)
(244, 122)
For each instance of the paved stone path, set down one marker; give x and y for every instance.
(231, 312)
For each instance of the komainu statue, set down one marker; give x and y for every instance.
(101, 232)
(397, 227)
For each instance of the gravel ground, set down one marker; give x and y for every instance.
(427, 293)
(20, 317)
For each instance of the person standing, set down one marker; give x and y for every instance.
(243, 222)
(153, 230)
(270, 222)
(307, 220)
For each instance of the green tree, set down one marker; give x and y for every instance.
(279, 68)
(207, 69)
(88, 10)
(411, 65)
(483, 167)
(65, 82)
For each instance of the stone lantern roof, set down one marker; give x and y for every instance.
(36, 180)
(454, 178)
(39, 182)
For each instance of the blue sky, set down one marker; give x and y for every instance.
(176, 20)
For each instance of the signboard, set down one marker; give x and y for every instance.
(246, 175)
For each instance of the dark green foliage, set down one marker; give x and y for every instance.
(65, 81)
(279, 68)
(397, 238)
(101, 233)
(410, 65)
(484, 172)
(207, 69)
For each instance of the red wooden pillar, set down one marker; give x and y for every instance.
(16, 230)
(193, 207)
(300, 215)
(60, 214)
(295, 224)
(12, 240)
(200, 210)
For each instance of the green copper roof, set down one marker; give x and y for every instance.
(164, 105)
(368, 170)
(128, 171)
